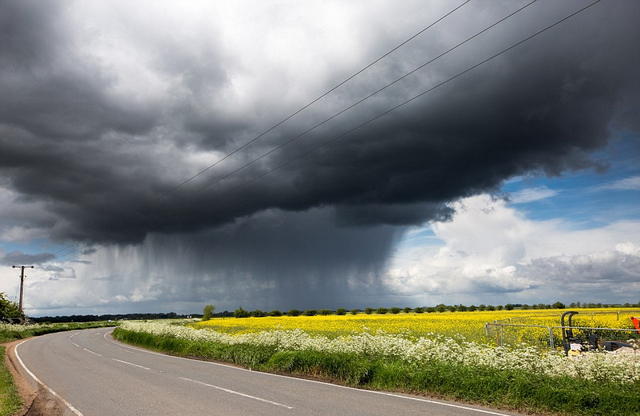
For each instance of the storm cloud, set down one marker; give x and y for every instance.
(107, 109)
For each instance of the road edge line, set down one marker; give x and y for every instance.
(66, 403)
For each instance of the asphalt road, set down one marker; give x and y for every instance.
(94, 375)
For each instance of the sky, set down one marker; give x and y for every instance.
(159, 156)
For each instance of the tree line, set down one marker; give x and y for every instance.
(441, 308)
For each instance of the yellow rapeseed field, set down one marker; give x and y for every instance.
(470, 325)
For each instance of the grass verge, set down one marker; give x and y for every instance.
(10, 401)
(16, 332)
(507, 389)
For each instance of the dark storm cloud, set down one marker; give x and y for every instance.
(271, 260)
(19, 258)
(99, 161)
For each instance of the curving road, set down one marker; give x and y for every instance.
(94, 375)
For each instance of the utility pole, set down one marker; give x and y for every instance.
(21, 285)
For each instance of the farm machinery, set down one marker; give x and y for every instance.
(589, 339)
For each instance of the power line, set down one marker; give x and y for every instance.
(367, 97)
(312, 102)
(404, 103)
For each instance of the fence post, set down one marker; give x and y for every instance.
(551, 343)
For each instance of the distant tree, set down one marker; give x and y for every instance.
(275, 312)
(368, 311)
(310, 312)
(258, 314)
(482, 307)
(499, 307)
(395, 310)
(452, 308)
(241, 313)
(341, 311)
(441, 308)
(558, 305)
(325, 312)
(207, 312)
(509, 307)
(430, 309)
(462, 308)
(525, 307)
(293, 312)
(8, 309)
(472, 308)
(491, 308)
(418, 310)
(354, 311)
(382, 311)
(407, 310)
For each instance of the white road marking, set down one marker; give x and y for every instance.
(135, 365)
(94, 353)
(74, 342)
(237, 393)
(66, 403)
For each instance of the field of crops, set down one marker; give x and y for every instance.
(469, 325)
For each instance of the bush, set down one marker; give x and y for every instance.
(341, 311)
(382, 311)
(275, 312)
(293, 312)
(354, 311)
(395, 310)
(310, 312)
(368, 311)
(207, 312)
(258, 314)
(418, 310)
(241, 313)
(325, 312)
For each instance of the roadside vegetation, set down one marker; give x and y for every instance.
(12, 332)
(449, 355)
(10, 401)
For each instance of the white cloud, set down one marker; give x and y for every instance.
(490, 250)
(532, 194)
(631, 183)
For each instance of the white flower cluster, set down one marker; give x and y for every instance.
(5, 327)
(617, 367)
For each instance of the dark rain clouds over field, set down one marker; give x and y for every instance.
(107, 107)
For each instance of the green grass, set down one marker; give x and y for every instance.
(17, 333)
(506, 389)
(10, 401)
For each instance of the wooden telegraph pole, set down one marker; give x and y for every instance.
(21, 285)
